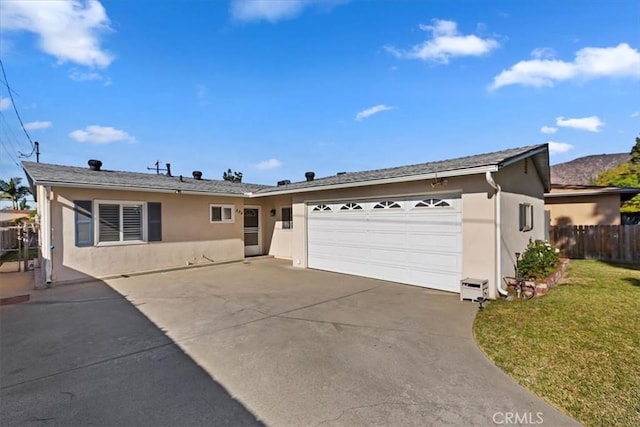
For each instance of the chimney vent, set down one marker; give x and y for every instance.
(197, 175)
(168, 169)
(95, 165)
(284, 182)
(310, 176)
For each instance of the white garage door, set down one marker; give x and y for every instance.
(417, 241)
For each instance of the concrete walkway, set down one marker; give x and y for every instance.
(15, 285)
(305, 348)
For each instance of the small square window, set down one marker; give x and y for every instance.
(526, 217)
(287, 218)
(222, 213)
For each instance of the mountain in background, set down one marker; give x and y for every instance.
(583, 170)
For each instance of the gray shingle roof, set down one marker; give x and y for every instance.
(488, 159)
(70, 175)
(66, 175)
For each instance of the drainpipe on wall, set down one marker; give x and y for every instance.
(498, 263)
(46, 233)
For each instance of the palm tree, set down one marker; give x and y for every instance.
(13, 191)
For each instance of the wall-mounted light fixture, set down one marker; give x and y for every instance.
(272, 212)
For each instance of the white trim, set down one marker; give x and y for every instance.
(140, 189)
(455, 193)
(222, 208)
(259, 208)
(410, 178)
(121, 203)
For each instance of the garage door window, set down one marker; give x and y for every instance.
(432, 203)
(387, 204)
(350, 207)
(322, 208)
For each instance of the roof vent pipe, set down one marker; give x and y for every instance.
(341, 173)
(168, 169)
(309, 176)
(284, 182)
(95, 165)
(197, 175)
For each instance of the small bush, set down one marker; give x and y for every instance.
(539, 260)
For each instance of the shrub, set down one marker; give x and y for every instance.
(539, 260)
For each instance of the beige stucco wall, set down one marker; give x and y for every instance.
(478, 216)
(274, 240)
(519, 185)
(188, 236)
(478, 229)
(602, 209)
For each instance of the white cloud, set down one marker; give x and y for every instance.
(371, 111)
(5, 103)
(543, 53)
(69, 30)
(37, 125)
(548, 129)
(95, 134)
(91, 76)
(559, 147)
(269, 164)
(635, 114)
(274, 10)
(589, 63)
(591, 124)
(446, 43)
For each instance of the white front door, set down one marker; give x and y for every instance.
(415, 240)
(252, 231)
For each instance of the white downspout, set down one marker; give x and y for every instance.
(46, 232)
(498, 263)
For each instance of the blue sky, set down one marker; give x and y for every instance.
(276, 88)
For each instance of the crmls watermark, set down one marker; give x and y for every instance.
(519, 418)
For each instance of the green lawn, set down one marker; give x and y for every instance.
(13, 255)
(578, 347)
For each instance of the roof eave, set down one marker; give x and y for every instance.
(409, 178)
(593, 192)
(530, 153)
(133, 188)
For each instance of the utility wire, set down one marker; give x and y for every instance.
(33, 146)
(10, 135)
(9, 152)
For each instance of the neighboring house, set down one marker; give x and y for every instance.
(586, 204)
(8, 217)
(429, 225)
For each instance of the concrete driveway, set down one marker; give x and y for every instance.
(82, 355)
(305, 348)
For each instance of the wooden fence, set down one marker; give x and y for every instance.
(604, 242)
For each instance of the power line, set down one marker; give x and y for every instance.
(33, 146)
(4, 123)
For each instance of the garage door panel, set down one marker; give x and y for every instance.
(418, 246)
(426, 241)
(434, 261)
(437, 224)
(386, 255)
(433, 279)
